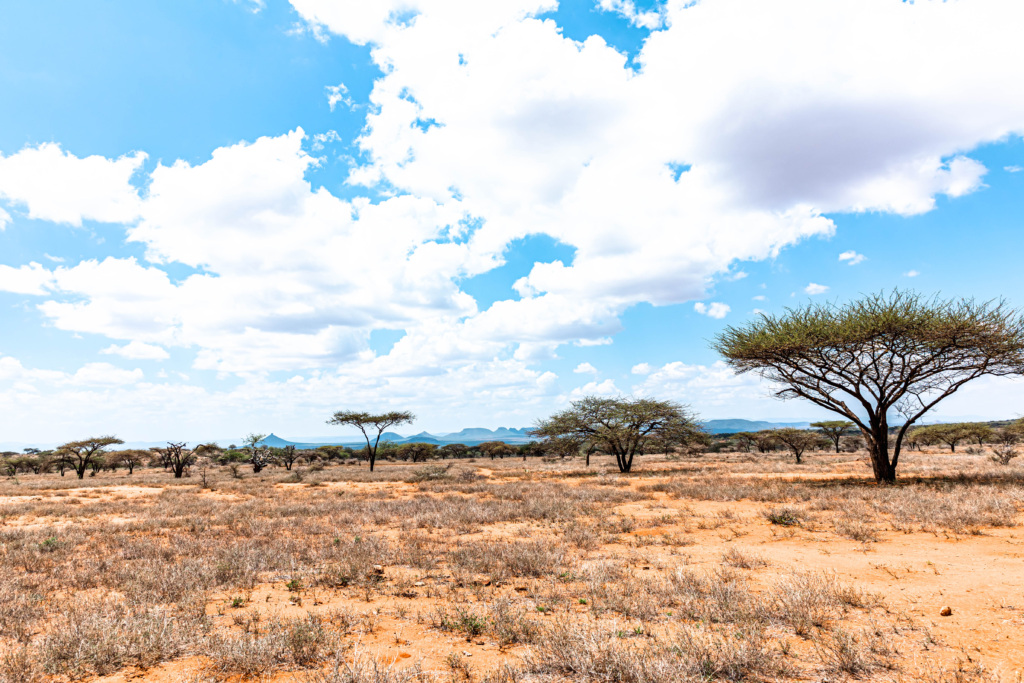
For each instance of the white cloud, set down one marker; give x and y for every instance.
(642, 369)
(138, 351)
(759, 297)
(1013, 169)
(535, 134)
(57, 186)
(911, 273)
(105, 374)
(585, 368)
(5, 219)
(626, 8)
(714, 310)
(338, 94)
(595, 388)
(31, 279)
(852, 258)
(815, 288)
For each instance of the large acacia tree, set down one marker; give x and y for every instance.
(81, 454)
(368, 423)
(621, 426)
(884, 355)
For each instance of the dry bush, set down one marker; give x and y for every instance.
(282, 644)
(509, 624)
(505, 560)
(364, 669)
(736, 558)
(101, 636)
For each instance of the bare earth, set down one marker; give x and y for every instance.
(721, 567)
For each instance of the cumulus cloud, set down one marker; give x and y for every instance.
(650, 19)
(911, 273)
(137, 350)
(815, 288)
(852, 258)
(57, 186)
(338, 94)
(5, 219)
(585, 368)
(486, 125)
(713, 310)
(1013, 169)
(595, 388)
(642, 369)
(29, 279)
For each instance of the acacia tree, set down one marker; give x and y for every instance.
(368, 423)
(129, 458)
(496, 449)
(453, 450)
(979, 432)
(834, 430)
(621, 426)
(288, 455)
(80, 455)
(259, 453)
(898, 353)
(178, 458)
(797, 441)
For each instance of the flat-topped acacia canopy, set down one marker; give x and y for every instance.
(898, 352)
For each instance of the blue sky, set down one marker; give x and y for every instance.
(220, 217)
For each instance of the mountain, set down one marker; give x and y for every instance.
(480, 435)
(736, 425)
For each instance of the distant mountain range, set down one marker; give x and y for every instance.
(472, 436)
(475, 436)
(733, 426)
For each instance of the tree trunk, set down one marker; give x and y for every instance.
(885, 472)
(799, 459)
(80, 470)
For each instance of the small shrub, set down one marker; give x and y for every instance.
(785, 515)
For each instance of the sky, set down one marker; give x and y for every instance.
(220, 217)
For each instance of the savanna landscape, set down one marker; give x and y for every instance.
(700, 566)
(511, 341)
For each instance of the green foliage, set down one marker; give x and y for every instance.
(834, 430)
(368, 423)
(900, 353)
(622, 426)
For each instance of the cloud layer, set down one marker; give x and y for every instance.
(737, 128)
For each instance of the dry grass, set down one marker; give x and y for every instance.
(565, 573)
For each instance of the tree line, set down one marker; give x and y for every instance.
(879, 363)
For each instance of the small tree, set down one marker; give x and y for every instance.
(453, 450)
(978, 432)
(621, 426)
(368, 423)
(765, 440)
(80, 455)
(179, 458)
(129, 458)
(834, 430)
(744, 441)
(259, 453)
(899, 354)
(798, 441)
(496, 449)
(288, 456)
(949, 434)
